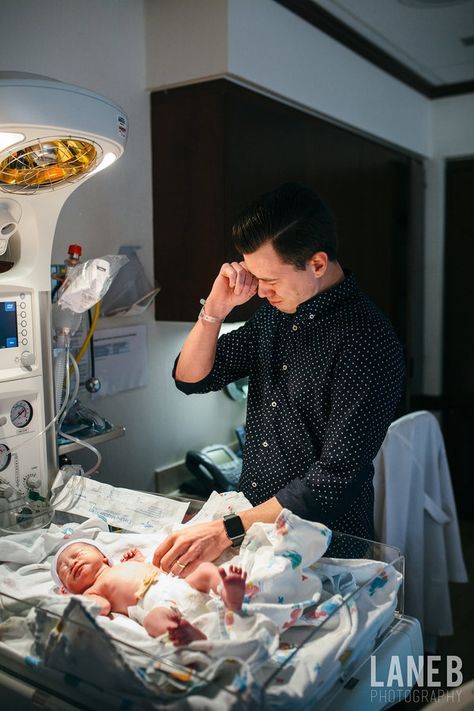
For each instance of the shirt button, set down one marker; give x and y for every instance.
(284, 366)
(274, 404)
(265, 444)
(311, 315)
(254, 484)
(295, 327)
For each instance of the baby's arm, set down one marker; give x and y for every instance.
(133, 554)
(102, 601)
(105, 605)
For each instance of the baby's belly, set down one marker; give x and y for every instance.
(123, 594)
(122, 599)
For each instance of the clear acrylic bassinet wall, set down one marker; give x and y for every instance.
(68, 655)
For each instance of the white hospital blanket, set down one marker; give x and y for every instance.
(347, 603)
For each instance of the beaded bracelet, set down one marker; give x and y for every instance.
(204, 317)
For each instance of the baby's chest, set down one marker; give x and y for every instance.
(122, 586)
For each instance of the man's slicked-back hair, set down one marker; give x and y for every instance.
(294, 219)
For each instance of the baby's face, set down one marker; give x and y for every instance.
(79, 565)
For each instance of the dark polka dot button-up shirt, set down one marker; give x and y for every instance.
(324, 384)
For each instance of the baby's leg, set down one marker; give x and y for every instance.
(233, 587)
(230, 586)
(180, 631)
(206, 577)
(160, 620)
(185, 633)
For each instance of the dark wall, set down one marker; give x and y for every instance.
(217, 146)
(458, 356)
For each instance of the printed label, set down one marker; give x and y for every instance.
(122, 125)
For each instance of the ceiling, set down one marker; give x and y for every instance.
(432, 40)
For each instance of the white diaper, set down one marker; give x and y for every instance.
(172, 592)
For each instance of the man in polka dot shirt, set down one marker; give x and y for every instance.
(325, 372)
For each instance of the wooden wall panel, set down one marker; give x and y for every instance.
(217, 146)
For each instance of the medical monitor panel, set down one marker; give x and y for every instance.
(8, 325)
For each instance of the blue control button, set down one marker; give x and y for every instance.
(10, 306)
(12, 342)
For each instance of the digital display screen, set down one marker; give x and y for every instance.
(219, 456)
(8, 325)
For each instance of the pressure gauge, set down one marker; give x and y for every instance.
(21, 413)
(5, 457)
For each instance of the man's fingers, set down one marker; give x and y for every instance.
(173, 555)
(162, 549)
(228, 271)
(238, 276)
(188, 560)
(251, 284)
(239, 280)
(183, 559)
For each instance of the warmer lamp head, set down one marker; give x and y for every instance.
(53, 135)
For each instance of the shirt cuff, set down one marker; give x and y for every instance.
(301, 500)
(191, 388)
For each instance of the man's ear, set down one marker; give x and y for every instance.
(319, 263)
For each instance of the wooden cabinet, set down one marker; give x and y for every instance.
(217, 146)
(458, 342)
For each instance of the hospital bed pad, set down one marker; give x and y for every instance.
(259, 658)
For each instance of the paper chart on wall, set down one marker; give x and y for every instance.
(121, 359)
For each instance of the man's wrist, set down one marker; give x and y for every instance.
(215, 309)
(226, 542)
(234, 529)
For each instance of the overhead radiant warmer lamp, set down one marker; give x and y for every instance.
(53, 136)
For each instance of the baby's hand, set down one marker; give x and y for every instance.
(133, 554)
(62, 590)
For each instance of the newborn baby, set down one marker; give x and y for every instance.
(142, 591)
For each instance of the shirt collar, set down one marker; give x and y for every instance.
(330, 299)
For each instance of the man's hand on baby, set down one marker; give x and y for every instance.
(133, 554)
(182, 551)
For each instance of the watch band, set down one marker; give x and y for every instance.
(234, 528)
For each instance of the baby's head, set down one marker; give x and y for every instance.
(77, 564)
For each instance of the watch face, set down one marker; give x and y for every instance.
(234, 526)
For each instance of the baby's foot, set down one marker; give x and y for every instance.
(185, 633)
(233, 587)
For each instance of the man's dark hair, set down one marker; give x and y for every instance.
(294, 219)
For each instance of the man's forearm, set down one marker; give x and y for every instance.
(264, 513)
(198, 353)
(233, 286)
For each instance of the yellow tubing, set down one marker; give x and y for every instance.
(83, 348)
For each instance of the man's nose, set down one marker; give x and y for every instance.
(263, 290)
